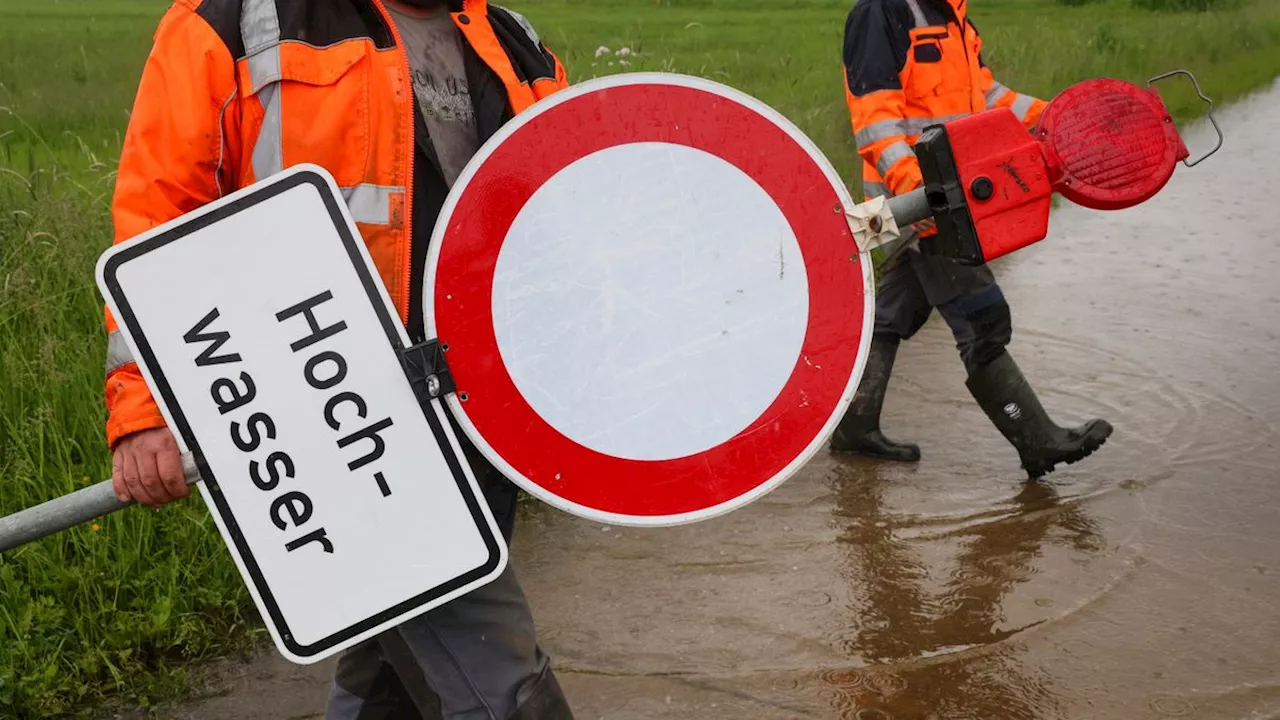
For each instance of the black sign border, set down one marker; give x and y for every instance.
(128, 319)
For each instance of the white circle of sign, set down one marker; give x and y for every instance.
(581, 293)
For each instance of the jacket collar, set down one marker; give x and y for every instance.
(957, 9)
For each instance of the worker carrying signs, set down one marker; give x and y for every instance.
(910, 64)
(392, 97)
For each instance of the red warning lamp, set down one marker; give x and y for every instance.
(1104, 144)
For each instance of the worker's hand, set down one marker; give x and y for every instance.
(924, 226)
(148, 468)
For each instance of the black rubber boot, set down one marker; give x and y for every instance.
(859, 430)
(1007, 398)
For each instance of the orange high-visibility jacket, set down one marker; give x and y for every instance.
(235, 91)
(910, 64)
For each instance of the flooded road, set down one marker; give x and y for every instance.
(1141, 583)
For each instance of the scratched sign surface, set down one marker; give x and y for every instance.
(273, 351)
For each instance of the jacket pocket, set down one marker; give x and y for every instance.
(310, 105)
(925, 60)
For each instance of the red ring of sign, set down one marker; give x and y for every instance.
(502, 185)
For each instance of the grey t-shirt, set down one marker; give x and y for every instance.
(434, 46)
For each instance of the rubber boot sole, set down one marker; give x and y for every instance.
(906, 457)
(1096, 435)
(880, 448)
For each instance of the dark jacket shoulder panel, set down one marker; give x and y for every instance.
(315, 22)
(531, 59)
(877, 37)
(224, 17)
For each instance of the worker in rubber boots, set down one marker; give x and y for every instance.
(392, 97)
(910, 64)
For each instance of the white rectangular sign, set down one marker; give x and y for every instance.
(273, 350)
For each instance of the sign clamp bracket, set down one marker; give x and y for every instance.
(945, 192)
(428, 373)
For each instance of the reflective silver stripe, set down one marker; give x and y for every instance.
(917, 13)
(118, 353)
(268, 151)
(260, 31)
(886, 129)
(892, 155)
(222, 143)
(370, 203)
(264, 67)
(874, 189)
(1022, 106)
(883, 130)
(524, 23)
(996, 92)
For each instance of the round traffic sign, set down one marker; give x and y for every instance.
(653, 308)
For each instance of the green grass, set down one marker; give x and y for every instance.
(117, 611)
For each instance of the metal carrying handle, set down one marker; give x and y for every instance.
(68, 511)
(1207, 101)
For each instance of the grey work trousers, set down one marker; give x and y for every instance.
(967, 297)
(475, 658)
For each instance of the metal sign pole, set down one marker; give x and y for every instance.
(81, 506)
(910, 208)
(95, 501)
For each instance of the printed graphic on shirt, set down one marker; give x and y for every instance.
(443, 99)
(434, 46)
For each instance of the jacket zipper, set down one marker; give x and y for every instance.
(407, 86)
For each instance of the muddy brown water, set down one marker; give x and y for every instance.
(1142, 583)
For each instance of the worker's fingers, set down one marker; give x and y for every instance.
(169, 465)
(149, 475)
(133, 481)
(117, 477)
